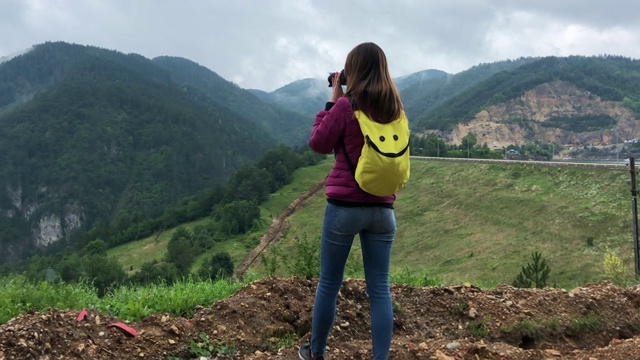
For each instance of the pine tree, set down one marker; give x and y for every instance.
(534, 274)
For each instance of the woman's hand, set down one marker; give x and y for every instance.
(337, 88)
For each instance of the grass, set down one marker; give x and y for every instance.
(480, 223)
(586, 323)
(460, 222)
(18, 296)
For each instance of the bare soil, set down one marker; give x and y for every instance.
(270, 318)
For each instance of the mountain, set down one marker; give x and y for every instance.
(561, 100)
(89, 135)
(418, 78)
(305, 96)
(569, 100)
(421, 92)
(281, 122)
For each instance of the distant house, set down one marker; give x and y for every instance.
(514, 151)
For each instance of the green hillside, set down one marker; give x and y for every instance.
(480, 223)
(154, 248)
(460, 222)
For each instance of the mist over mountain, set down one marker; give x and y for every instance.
(306, 96)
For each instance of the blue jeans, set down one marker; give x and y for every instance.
(377, 227)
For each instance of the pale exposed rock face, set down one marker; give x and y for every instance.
(72, 219)
(51, 227)
(49, 230)
(27, 209)
(544, 102)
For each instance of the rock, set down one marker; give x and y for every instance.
(473, 313)
(453, 345)
(423, 346)
(344, 324)
(553, 352)
(175, 330)
(442, 356)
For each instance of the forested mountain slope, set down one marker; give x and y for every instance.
(282, 122)
(89, 134)
(420, 93)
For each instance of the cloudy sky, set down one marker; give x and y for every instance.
(265, 44)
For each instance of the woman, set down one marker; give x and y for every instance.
(350, 210)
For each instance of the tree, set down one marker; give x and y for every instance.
(103, 271)
(534, 274)
(70, 268)
(151, 272)
(469, 141)
(280, 176)
(280, 154)
(217, 267)
(95, 247)
(249, 183)
(182, 249)
(237, 217)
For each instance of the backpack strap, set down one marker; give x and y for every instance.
(347, 158)
(352, 167)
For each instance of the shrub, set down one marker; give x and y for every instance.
(614, 269)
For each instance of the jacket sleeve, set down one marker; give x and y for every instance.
(329, 126)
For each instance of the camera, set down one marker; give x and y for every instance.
(343, 79)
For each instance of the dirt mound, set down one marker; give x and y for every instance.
(270, 318)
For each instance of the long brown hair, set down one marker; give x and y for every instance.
(369, 83)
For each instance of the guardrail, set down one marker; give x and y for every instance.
(609, 166)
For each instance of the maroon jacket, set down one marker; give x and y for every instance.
(331, 130)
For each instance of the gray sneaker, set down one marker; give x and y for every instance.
(305, 353)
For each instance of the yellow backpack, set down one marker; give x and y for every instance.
(384, 165)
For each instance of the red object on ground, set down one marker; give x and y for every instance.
(128, 330)
(82, 316)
